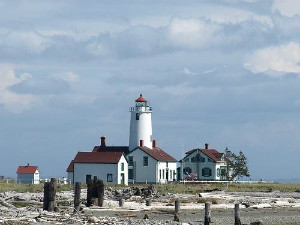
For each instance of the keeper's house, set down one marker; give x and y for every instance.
(28, 174)
(204, 164)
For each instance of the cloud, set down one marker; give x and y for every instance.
(41, 86)
(67, 76)
(191, 33)
(287, 8)
(275, 60)
(188, 72)
(14, 102)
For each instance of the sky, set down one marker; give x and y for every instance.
(223, 72)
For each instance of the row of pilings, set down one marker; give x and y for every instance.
(95, 197)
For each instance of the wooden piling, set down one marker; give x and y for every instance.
(237, 220)
(177, 206)
(89, 194)
(77, 190)
(100, 192)
(121, 202)
(148, 202)
(207, 214)
(46, 196)
(52, 194)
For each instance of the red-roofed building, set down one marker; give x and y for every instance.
(107, 163)
(28, 174)
(151, 165)
(207, 164)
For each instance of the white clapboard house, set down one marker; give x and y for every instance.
(107, 163)
(204, 164)
(151, 165)
(28, 174)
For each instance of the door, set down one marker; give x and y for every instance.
(122, 179)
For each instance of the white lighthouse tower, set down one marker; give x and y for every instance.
(140, 124)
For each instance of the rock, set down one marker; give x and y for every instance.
(256, 223)
(93, 219)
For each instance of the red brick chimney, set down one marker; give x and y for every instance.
(103, 142)
(141, 143)
(206, 146)
(154, 144)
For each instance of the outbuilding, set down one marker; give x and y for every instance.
(28, 174)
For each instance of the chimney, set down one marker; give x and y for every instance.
(141, 143)
(27, 164)
(206, 146)
(103, 142)
(154, 144)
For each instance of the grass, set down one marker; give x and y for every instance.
(232, 187)
(174, 188)
(13, 186)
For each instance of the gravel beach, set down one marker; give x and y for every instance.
(276, 208)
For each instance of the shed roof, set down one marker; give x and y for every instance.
(27, 169)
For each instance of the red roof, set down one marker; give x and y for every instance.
(158, 154)
(100, 148)
(98, 157)
(27, 169)
(141, 99)
(71, 167)
(211, 153)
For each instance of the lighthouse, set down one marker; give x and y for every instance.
(140, 124)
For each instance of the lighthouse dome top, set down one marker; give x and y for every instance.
(141, 99)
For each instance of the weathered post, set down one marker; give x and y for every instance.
(52, 194)
(46, 196)
(148, 202)
(237, 220)
(89, 194)
(121, 202)
(177, 206)
(100, 192)
(77, 190)
(207, 214)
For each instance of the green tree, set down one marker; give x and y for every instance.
(236, 165)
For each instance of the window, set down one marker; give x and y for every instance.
(187, 170)
(122, 166)
(88, 177)
(130, 174)
(137, 116)
(170, 174)
(145, 161)
(218, 172)
(193, 159)
(210, 160)
(163, 174)
(167, 163)
(206, 172)
(159, 174)
(130, 160)
(202, 159)
(109, 177)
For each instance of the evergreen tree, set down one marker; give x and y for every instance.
(236, 165)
